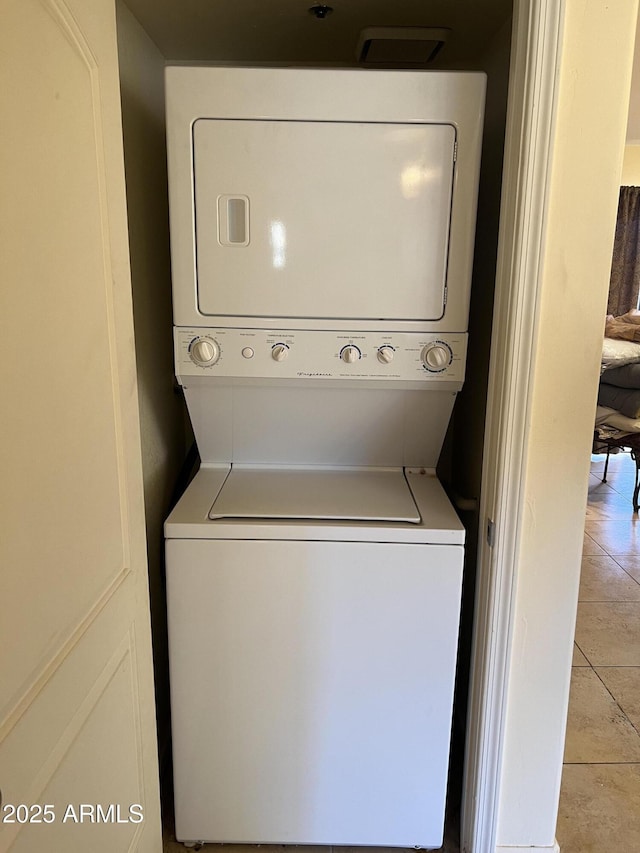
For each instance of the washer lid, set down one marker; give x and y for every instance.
(338, 495)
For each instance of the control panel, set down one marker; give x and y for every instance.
(311, 354)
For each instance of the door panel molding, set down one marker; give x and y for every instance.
(57, 752)
(61, 13)
(63, 16)
(76, 625)
(78, 717)
(42, 676)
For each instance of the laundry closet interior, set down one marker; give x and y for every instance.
(286, 36)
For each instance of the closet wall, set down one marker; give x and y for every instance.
(163, 424)
(162, 415)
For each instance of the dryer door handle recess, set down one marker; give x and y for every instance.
(233, 220)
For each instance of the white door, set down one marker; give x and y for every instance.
(77, 717)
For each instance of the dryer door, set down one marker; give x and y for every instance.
(322, 219)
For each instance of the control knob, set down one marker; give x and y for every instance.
(279, 352)
(385, 355)
(436, 356)
(204, 352)
(350, 353)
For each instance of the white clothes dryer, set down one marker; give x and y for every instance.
(322, 229)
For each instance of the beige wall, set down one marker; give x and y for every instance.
(162, 416)
(576, 259)
(631, 167)
(633, 123)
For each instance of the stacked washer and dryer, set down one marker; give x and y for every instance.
(322, 227)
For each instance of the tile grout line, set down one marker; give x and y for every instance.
(623, 568)
(609, 601)
(620, 708)
(598, 764)
(582, 653)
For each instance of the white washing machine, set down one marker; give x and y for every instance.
(322, 231)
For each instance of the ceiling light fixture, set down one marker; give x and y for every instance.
(320, 11)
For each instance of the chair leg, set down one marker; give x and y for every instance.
(606, 465)
(636, 487)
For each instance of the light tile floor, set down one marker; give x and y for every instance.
(600, 796)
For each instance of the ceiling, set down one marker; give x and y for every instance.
(284, 31)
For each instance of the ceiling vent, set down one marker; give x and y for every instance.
(399, 46)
